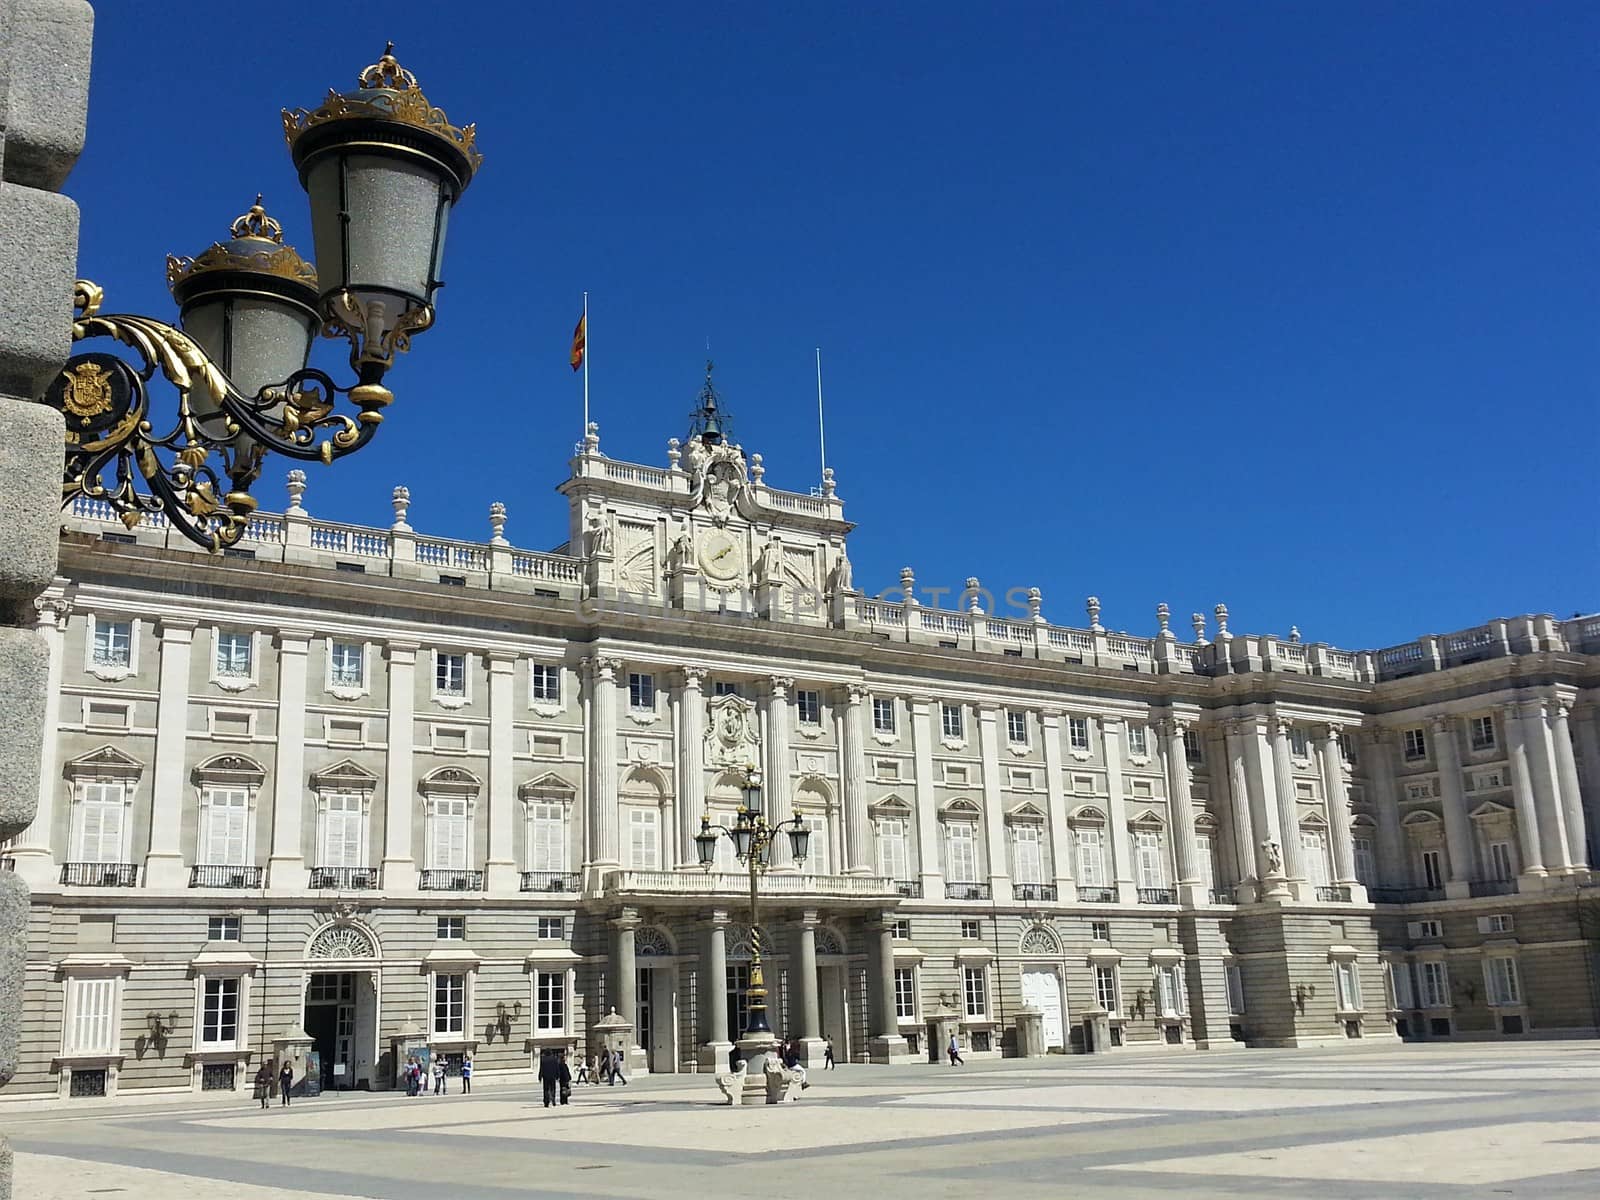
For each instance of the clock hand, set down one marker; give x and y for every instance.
(726, 550)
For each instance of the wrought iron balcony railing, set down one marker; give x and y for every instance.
(1492, 887)
(1157, 896)
(1411, 895)
(1097, 895)
(352, 879)
(561, 882)
(224, 877)
(1033, 891)
(966, 891)
(911, 889)
(82, 874)
(1334, 895)
(436, 880)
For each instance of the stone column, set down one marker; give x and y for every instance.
(1571, 793)
(1261, 782)
(1288, 806)
(603, 814)
(691, 764)
(1587, 736)
(1546, 794)
(858, 830)
(286, 866)
(500, 869)
(1244, 838)
(994, 823)
(1522, 792)
(810, 1009)
(1062, 854)
(1378, 755)
(887, 1043)
(1457, 825)
(1117, 811)
(1180, 799)
(625, 977)
(1338, 803)
(35, 850)
(775, 786)
(929, 863)
(163, 866)
(399, 784)
(715, 1048)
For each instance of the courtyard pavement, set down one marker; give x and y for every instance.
(1457, 1121)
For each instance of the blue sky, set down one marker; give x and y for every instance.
(1287, 306)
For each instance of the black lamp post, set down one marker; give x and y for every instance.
(752, 839)
(382, 168)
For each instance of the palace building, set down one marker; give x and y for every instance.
(362, 789)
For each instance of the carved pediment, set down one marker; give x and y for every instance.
(450, 781)
(233, 769)
(344, 776)
(105, 763)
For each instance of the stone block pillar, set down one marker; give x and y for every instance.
(885, 1044)
(860, 859)
(1571, 792)
(1457, 825)
(714, 1046)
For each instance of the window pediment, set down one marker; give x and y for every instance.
(344, 776)
(1088, 814)
(1489, 809)
(547, 789)
(961, 810)
(1147, 819)
(1313, 821)
(105, 763)
(230, 770)
(889, 806)
(450, 781)
(1421, 818)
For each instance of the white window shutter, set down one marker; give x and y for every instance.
(1414, 929)
(1483, 925)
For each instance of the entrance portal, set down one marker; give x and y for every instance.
(339, 1018)
(1041, 989)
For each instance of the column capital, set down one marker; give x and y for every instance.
(52, 611)
(1326, 730)
(779, 685)
(1110, 722)
(719, 918)
(605, 666)
(295, 641)
(1281, 726)
(919, 702)
(628, 919)
(810, 918)
(177, 629)
(1174, 725)
(501, 661)
(401, 652)
(1050, 716)
(855, 693)
(693, 677)
(1441, 722)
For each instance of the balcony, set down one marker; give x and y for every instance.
(1157, 896)
(1220, 896)
(346, 879)
(8, 863)
(100, 874)
(698, 885)
(910, 889)
(556, 882)
(1097, 895)
(450, 881)
(966, 891)
(1492, 887)
(224, 877)
(1033, 891)
(1333, 895)
(1411, 895)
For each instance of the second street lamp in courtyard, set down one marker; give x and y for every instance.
(753, 837)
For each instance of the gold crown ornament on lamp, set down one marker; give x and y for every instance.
(382, 168)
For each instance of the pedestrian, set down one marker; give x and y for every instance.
(466, 1074)
(616, 1070)
(285, 1083)
(565, 1078)
(954, 1050)
(791, 1062)
(583, 1072)
(263, 1084)
(827, 1055)
(549, 1076)
(438, 1076)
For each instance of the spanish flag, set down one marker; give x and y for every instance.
(580, 341)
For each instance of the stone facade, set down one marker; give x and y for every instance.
(369, 790)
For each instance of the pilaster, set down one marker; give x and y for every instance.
(1533, 867)
(1457, 825)
(929, 863)
(603, 814)
(1186, 851)
(500, 868)
(690, 725)
(1117, 811)
(1055, 784)
(858, 830)
(1288, 807)
(994, 825)
(1571, 791)
(1244, 838)
(399, 785)
(1337, 798)
(34, 850)
(286, 867)
(163, 866)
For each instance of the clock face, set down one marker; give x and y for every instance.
(719, 555)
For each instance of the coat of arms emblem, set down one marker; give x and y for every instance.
(86, 390)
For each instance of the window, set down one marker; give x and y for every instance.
(225, 827)
(1366, 861)
(954, 726)
(344, 835)
(1348, 986)
(1482, 730)
(1504, 988)
(98, 817)
(817, 846)
(448, 846)
(1100, 931)
(1193, 748)
(546, 683)
(1170, 999)
(347, 666)
(547, 836)
(449, 1004)
(1147, 854)
(1138, 740)
(1091, 857)
(1106, 992)
(1435, 985)
(1400, 984)
(452, 929)
(893, 848)
(1016, 727)
(1299, 746)
(808, 706)
(1496, 923)
(975, 990)
(233, 655)
(91, 1016)
(552, 929)
(1314, 853)
(643, 838)
(1347, 748)
(641, 692)
(905, 993)
(1424, 929)
(222, 929)
(1500, 861)
(723, 687)
(882, 714)
(1027, 856)
(549, 1001)
(1432, 870)
(971, 929)
(1415, 742)
(1078, 733)
(1235, 990)
(450, 675)
(346, 733)
(113, 644)
(900, 931)
(1205, 861)
(219, 1023)
(961, 852)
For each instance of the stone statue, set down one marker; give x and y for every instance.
(767, 566)
(841, 573)
(682, 552)
(1273, 856)
(599, 536)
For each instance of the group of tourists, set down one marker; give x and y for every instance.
(416, 1074)
(263, 1084)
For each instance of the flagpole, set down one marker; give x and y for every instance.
(586, 364)
(822, 440)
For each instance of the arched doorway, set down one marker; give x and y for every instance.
(1041, 954)
(339, 1004)
(656, 998)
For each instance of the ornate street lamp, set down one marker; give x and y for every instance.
(752, 841)
(382, 168)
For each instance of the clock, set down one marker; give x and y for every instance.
(719, 556)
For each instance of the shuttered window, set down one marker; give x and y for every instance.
(547, 841)
(1028, 858)
(225, 839)
(447, 834)
(893, 859)
(343, 832)
(100, 816)
(91, 1016)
